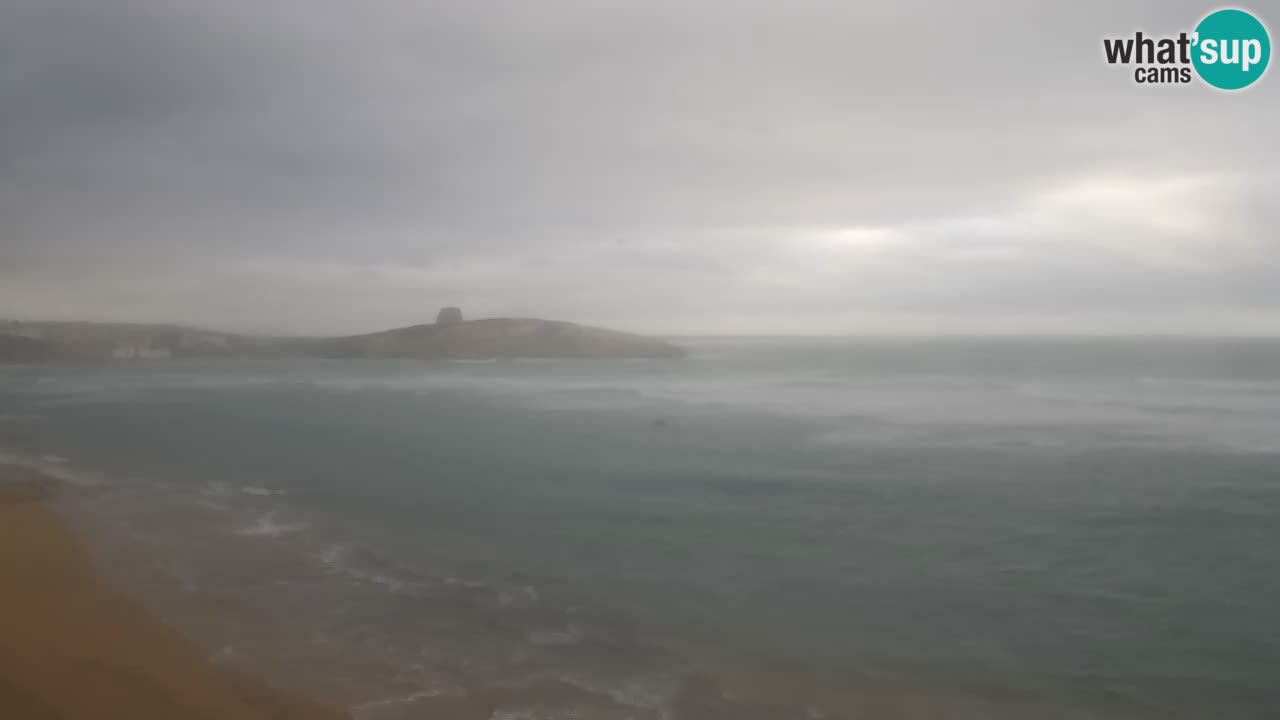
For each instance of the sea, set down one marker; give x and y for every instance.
(768, 528)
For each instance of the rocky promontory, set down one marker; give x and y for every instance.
(449, 337)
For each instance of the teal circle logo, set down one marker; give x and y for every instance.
(1231, 49)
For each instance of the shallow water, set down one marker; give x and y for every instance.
(769, 528)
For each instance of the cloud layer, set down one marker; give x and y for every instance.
(759, 167)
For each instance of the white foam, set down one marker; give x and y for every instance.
(52, 465)
(335, 557)
(267, 526)
(654, 693)
(518, 596)
(468, 584)
(374, 708)
(260, 491)
(501, 714)
(556, 638)
(216, 490)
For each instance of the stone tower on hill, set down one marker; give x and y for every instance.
(449, 316)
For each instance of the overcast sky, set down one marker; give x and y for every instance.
(752, 166)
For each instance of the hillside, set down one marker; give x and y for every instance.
(18, 349)
(449, 337)
(497, 338)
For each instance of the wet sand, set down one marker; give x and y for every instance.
(71, 647)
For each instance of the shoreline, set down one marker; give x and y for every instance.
(71, 646)
(94, 636)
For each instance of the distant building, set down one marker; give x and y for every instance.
(140, 350)
(449, 316)
(13, 327)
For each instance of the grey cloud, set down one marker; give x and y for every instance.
(667, 166)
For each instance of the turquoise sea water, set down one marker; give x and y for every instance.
(766, 529)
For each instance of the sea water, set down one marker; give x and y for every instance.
(769, 528)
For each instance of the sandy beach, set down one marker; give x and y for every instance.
(71, 647)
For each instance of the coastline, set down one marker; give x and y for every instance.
(80, 640)
(73, 647)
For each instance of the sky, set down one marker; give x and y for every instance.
(746, 167)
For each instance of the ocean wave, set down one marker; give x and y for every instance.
(654, 694)
(260, 491)
(362, 565)
(1249, 387)
(267, 526)
(572, 635)
(464, 583)
(216, 490)
(523, 595)
(520, 714)
(54, 466)
(338, 558)
(389, 706)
